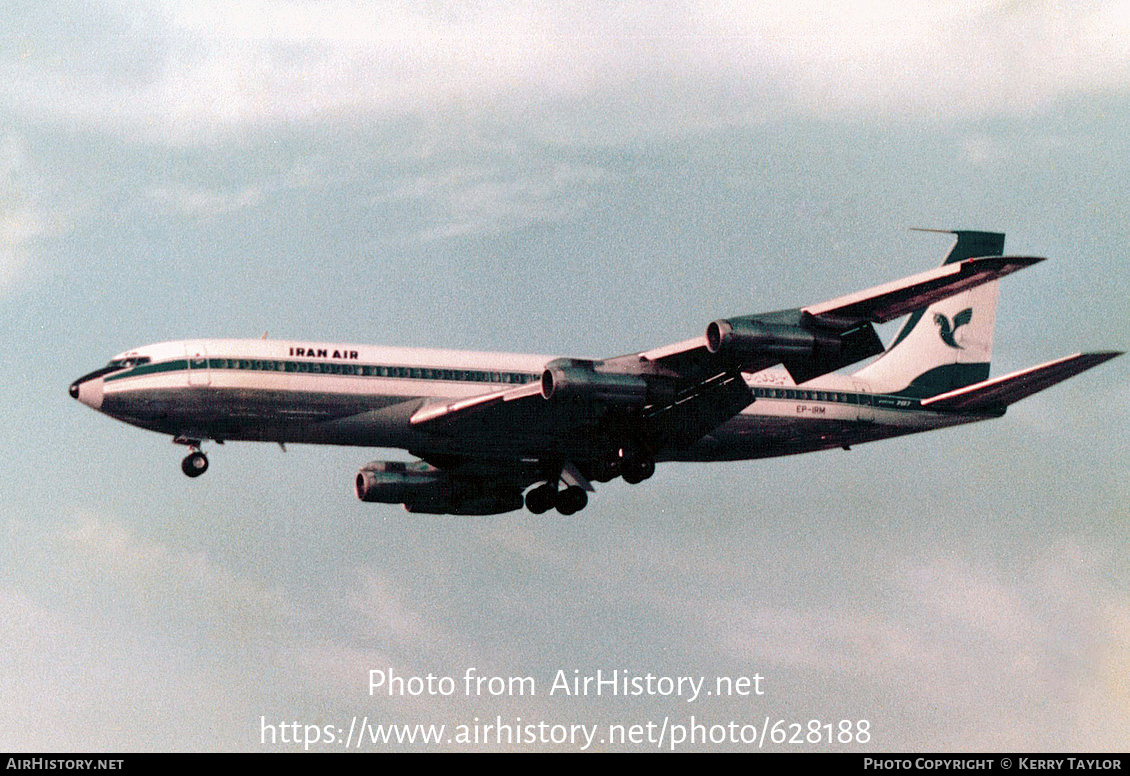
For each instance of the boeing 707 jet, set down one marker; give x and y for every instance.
(493, 431)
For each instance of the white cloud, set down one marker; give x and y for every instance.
(221, 67)
(487, 200)
(147, 574)
(389, 617)
(73, 681)
(18, 228)
(953, 635)
(155, 646)
(197, 202)
(23, 221)
(900, 58)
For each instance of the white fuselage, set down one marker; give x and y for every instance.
(326, 393)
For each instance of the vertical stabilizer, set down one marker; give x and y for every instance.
(949, 344)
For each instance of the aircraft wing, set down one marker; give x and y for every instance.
(824, 337)
(996, 394)
(675, 394)
(893, 300)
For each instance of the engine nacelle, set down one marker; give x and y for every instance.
(491, 502)
(427, 490)
(396, 482)
(576, 379)
(750, 337)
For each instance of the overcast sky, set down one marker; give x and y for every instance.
(585, 179)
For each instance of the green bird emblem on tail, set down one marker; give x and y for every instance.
(947, 332)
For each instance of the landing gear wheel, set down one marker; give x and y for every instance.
(572, 500)
(194, 464)
(541, 499)
(605, 471)
(637, 471)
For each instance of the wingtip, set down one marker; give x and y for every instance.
(1094, 357)
(1015, 262)
(1025, 261)
(1091, 359)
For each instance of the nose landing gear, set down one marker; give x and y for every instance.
(196, 462)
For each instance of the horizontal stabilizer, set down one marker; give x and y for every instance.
(998, 393)
(894, 300)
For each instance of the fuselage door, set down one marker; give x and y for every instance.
(197, 363)
(863, 405)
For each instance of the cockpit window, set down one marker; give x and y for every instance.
(126, 363)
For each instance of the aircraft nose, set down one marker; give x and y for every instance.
(88, 390)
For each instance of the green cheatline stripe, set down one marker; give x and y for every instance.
(333, 369)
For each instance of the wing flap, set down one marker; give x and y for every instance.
(431, 414)
(998, 393)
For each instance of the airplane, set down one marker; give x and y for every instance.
(494, 432)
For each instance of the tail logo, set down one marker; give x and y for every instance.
(948, 331)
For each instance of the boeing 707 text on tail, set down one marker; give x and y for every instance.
(494, 431)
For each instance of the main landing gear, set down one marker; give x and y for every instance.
(546, 496)
(636, 470)
(195, 463)
(633, 467)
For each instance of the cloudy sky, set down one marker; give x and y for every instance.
(585, 179)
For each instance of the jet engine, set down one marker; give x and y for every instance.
(751, 337)
(577, 379)
(395, 482)
(805, 346)
(426, 489)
